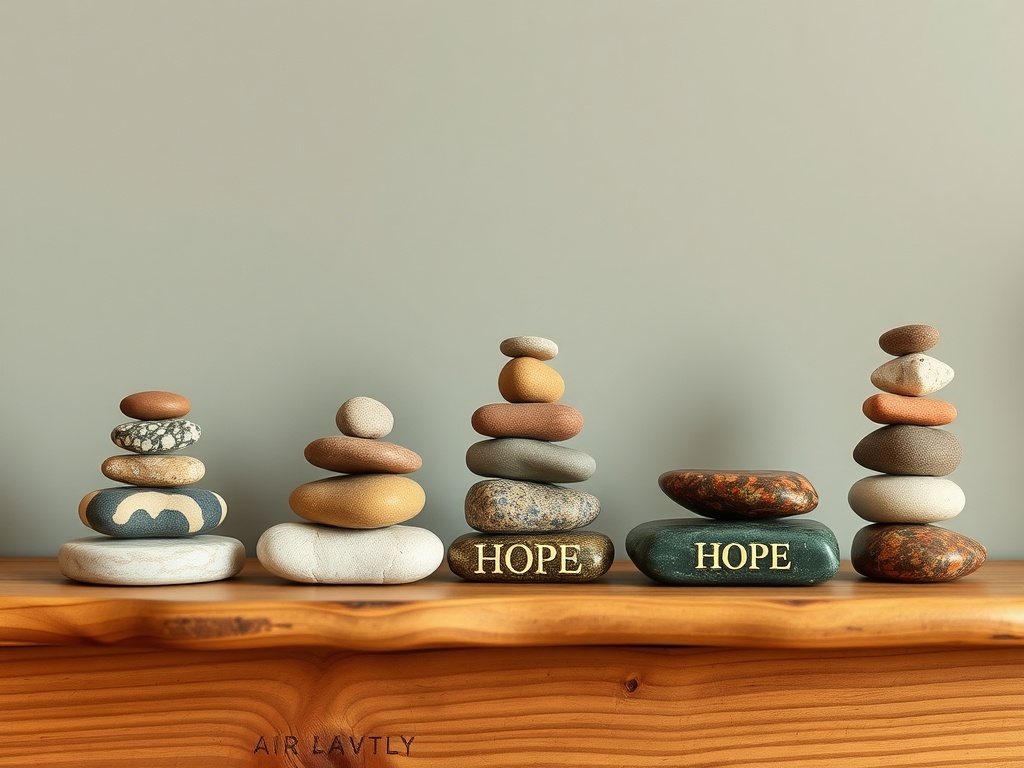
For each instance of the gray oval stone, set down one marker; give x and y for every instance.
(519, 506)
(518, 458)
(906, 449)
(138, 513)
(155, 436)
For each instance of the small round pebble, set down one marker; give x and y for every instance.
(365, 417)
(528, 380)
(909, 339)
(151, 562)
(155, 405)
(529, 346)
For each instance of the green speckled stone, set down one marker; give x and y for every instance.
(569, 557)
(748, 553)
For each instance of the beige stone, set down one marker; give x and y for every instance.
(155, 471)
(359, 501)
(359, 455)
(528, 380)
(529, 346)
(364, 417)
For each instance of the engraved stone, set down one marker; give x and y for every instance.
(518, 506)
(149, 562)
(155, 436)
(576, 556)
(739, 495)
(914, 553)
(133, 513)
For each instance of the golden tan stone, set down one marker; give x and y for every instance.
(359, 501)
(528, 380)
(154, 470)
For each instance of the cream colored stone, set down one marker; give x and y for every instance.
(914, 375)
(154, 470)
(906, 499)
(150, 562)
(364, 417)
(529, 346)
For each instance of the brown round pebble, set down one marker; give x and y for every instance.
(358, 455)
(905, 449)
(155, 405)
(358, 501)
(909, 339)
(887, 408)
(914, 553)
(528, 380)
(539, 421)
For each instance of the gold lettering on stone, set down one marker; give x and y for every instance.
(520, 558)
(508, 559)
(701, 554)
(545, 554)
(735, 556)
(575, 558)
(732, 545)
(778, 555)
(480, 558)
(758, 551)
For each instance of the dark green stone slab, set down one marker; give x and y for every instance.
(569, 557)
(695, 552)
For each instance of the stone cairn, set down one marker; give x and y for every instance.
(155, 527)
(915, 454)
(740, 537)
(529, 526)
(353, 533)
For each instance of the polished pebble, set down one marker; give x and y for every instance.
(519, 506)
(359, 455)
(886, 408)
(913, 375)
(151, 562)
(738, 494)
(539, 421)
(358, 501)
(575, 556)
(135, 513)
(364, 417)
(536, 347)
(914, 553)
(154, 470)
(155, 405)
(155, 436)
(906, 499)
(321, 554)
(909, 339)
(523, 459)
(528, 380)
(904, 449)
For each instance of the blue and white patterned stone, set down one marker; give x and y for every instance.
(151, 562)
(155, 436)
(137, 513)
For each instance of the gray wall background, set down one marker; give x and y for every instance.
(714, 208)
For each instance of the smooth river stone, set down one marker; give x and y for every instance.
(528, 380)
(909, 339)
(359, 501)
(913, 375)
(575, 556)
(518, 458)
(155, 405)
(321, 554)
(740, 495)
(145, 513)
(536, 347)
(357, 455)
(886, 408)
(157, 471)
(364, 417)
(906, 499)
(151, 562)
(155, 436)
(914, 553)
(904, 449)
(539, 421)
(750, 552)
(519, 506)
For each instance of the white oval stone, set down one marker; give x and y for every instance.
(913, 375)
(529, 346)
(323, 554)
(150, 562)
(364, 417)
(906, 499)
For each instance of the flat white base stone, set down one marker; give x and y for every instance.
(322, 554)
(151, 562)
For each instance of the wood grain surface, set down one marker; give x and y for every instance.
(38, 606)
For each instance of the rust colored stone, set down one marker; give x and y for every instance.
(740, 495)
(909, 339)
(915, 553)
(358, 455)
(538, 421)
(887, 408)
(155, 405)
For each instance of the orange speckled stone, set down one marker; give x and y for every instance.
(915, 553)
(528, 380)
(740, 495)
(909, 339)
(887, 408)
(357, 454)
(538, 421)
(155, 405)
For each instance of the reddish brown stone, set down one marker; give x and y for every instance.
(909, 339)
(886, 408)
(728, 495)
(358, 455)
(155, 405)
(538, 421)
(914, 553)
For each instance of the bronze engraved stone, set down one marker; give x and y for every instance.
(740, 495)
(915, 553)
(575, 556)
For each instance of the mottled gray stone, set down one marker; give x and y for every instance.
(520, 506)
(155, 436)
(519, 458)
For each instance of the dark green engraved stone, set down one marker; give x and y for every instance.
(697, 552)
(573, 556)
